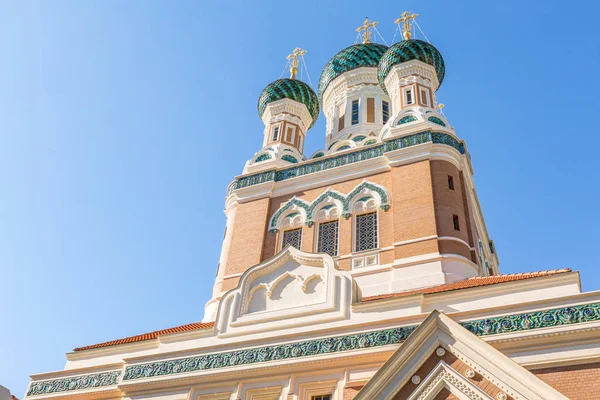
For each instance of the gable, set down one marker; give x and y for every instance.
(441, 359)
(290, 289)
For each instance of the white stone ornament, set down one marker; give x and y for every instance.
(415, 379)
(440, 351)
(470, 374)
(502, 396)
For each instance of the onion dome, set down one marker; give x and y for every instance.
(292, 89)
(408, 50)
(356, 56)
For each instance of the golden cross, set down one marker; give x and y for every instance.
(406, 21)
(298, 52)
(365, 27)
(439, 106)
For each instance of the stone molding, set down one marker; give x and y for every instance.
(323, 164)
(482, 327)
(308, 210)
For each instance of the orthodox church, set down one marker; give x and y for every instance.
(362, 271)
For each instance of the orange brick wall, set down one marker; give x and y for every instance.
(449, 203)
(247, 237)
(422, 205)
(412, 201)
(577, 382)
(351, 392)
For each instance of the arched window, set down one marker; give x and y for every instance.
(365, 231)
(327, 238)
(293, 237)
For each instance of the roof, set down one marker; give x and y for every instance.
(355, 56)
(292, 89)
(470, 283)
(149, 336)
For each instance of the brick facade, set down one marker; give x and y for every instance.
(577, 382)
(422, 205)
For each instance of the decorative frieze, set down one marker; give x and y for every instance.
(482, 327)
(347, 158)
(74, 383)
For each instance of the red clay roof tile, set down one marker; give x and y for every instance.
(469, 283)
(151, 335)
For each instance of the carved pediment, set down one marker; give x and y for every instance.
(441, 357)
(290, 289)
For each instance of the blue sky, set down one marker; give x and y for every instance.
(121, 124)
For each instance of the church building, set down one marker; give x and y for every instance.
(363, 271)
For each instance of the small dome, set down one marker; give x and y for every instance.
(356, 56)
(408, 50)
(292, 89)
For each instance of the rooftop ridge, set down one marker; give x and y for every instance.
(149, 336)
(472, 282)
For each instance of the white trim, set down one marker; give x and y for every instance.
(456, 240)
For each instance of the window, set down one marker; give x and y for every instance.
(409, 99)
(321, 397)
(366, 232)
(450, 182)
(370, 109)
(425, 97)
(456, 223)
(354, 112)
(341, 115)
(275, 133)
(328, 238)
(293, 237)
(385, 111)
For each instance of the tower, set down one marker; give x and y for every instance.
(391, 195)
(364, 271)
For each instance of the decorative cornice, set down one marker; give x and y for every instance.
(74, 383)
(393, 336)
(345, 201)
(323, 164)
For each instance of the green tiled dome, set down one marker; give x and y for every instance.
(292, 89)
(356, 56)
(408, 50)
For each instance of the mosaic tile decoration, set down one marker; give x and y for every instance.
(348, 158)
(355, 56)
(436, 120)
(406, 119)
(74, 383)
(408, 50)
(481, 327)
(292, 89)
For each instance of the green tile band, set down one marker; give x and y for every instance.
(74, 383)
(481, 327)
(347, 158)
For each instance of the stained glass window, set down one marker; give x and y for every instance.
(366, 231)
(385, 110)
(328, 238)
(354, 112)
(293, 237)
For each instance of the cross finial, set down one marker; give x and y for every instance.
(406, 20)
(298, 52)
(366, 28)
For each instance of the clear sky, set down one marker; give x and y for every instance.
(122, 122)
